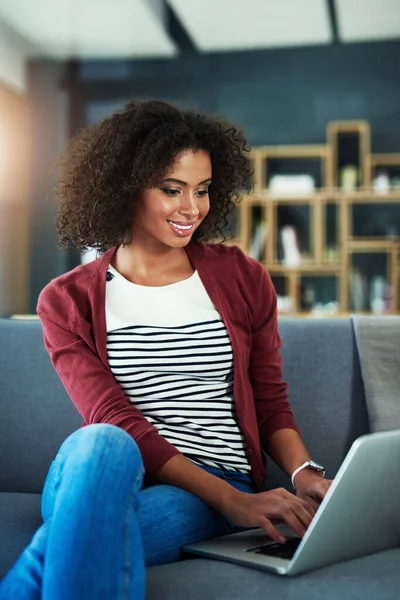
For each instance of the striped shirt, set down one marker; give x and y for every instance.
(169, 350)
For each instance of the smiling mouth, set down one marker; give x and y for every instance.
(181, 230)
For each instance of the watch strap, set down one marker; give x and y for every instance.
(300, 468)
(305, 465)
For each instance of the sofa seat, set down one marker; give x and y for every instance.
(20, 517)
(375, 577)
(197, 578)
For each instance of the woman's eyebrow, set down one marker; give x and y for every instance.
(173, 180)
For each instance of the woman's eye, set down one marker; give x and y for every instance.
(170, 192)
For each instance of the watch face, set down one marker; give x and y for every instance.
(316, 466)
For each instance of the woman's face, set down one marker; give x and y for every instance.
(169, 213)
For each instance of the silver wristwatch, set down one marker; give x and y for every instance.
(309, 464)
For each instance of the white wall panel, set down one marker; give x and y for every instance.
(220, 25)
(365, 20)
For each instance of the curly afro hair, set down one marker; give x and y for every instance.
(106, 166)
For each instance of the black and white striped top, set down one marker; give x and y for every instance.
(169, 350)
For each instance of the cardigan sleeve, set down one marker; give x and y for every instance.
(91, 386)
(265, 365)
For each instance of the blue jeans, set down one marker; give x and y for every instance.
(101, 528)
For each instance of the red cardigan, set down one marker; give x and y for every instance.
(72, 311)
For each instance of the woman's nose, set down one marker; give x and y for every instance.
(189, 206)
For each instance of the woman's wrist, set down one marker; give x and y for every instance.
(305, 475)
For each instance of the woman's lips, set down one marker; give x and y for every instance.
(181, 230)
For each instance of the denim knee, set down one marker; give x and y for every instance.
(93, 452)
(93, 441)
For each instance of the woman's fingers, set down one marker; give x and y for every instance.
(296, 522)
(272, 531)
(313, 504)
(310, 507)
(296, 513)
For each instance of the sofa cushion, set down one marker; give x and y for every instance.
(321, 365)
(367, 578)
(37, 414)
(20, 517)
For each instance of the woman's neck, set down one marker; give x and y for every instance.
(157, 267)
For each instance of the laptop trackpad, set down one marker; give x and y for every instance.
(285, 550)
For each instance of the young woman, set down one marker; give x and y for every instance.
(168, 346)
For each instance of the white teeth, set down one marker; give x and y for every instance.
(181, 226)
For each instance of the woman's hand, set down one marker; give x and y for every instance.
(311, 487)
(266, 508)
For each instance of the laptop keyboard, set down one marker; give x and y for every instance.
(285, 550)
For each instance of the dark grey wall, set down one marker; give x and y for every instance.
(279, 97)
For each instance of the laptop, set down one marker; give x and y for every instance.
(359, 515)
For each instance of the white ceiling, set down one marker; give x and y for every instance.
(91, 28)
(84, 29)
(362, 20)
(219, 25)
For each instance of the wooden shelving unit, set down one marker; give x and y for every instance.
(328, 205)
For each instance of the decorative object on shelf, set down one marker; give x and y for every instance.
(307, 299)
(285, 305)
(381, 182)
(349, 178)
(329, 309)
(259, 240)
(377, 298)
(291, 252)
(358, 290)
(291, 185)
(331, 255)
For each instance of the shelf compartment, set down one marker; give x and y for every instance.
(319, 294)
(367, 221)
(389, 163)
(330, 233)
(370, 280)
(300, 217)
(263, 156)
(351, 145)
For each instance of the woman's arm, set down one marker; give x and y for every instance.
(241, 508)
(91, 386)
(287, 449)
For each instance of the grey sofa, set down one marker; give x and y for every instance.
(322, 367)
